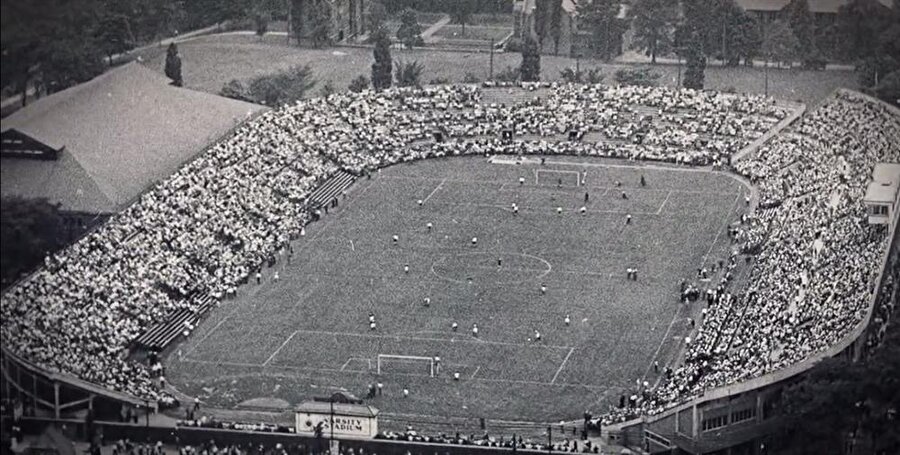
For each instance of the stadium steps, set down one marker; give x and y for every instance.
(331, 189)
(163, 334)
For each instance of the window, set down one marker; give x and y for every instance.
(715, 422)
(743, 414)
(880, 210)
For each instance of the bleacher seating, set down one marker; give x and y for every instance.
(332, 188)
(162, 335)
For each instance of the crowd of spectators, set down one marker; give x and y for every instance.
(816, 256)
(215, 222)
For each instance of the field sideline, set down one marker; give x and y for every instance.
(308, 333)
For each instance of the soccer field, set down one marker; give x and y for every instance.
(307, 334)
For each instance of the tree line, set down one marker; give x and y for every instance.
(53, 44)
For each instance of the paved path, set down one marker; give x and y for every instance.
(427, 35)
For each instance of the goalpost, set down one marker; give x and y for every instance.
(407, 361)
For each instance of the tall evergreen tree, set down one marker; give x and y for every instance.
(693, 34)
(779, 42)
(530, 70)
(461, 12)
(173, 65)
(321, 28)
(803, 26)
(382, 67)
(600, 17)
(556, 13)
(410, 32)
(654, 24)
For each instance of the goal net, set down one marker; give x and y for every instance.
(405, 364)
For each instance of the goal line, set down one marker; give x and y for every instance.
(386, 363)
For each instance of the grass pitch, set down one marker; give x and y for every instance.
(308, 333)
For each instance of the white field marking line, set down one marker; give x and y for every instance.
(352, 248)
(675, 316)
(659, 210)
(476, 372)
(349, 359)
(409, 338)
(562, 365)
(280, 348)
(435, 190)
(724, 225)
(335, 370)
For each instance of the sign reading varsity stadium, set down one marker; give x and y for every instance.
(354, 420)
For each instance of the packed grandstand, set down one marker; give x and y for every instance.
(210, 226)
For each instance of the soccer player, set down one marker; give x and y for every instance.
(475, 330)
(521, 180)
(587, 197)
(624, 196)
(583, 210)
(559, 182)
(537, 336)
(456, 376)
(474, 241)
(371, 317)
(515, 209)
(275, 276)
(567, 320)
(372, 325)
(426, 301)
(258, 277)
(302, 233)
(543, 289)
(420, 202)
(559, 210)
(643, 181)
(406, 268)
(396, 239)
(437, 364)
(627, 219)
(454, 326)
(499, 262)
(429, 226)
(405, 393)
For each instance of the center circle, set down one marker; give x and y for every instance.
(490, 267)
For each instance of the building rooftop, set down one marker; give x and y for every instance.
(119, 133)
(885, 181)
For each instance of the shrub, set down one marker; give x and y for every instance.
(359, 84)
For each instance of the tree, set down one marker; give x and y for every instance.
(640, 76)
(321, 19)
(859, 25)
(173, 65)
(408, 74)
(359, 84)
(281, 88)
(802, 25)
(870, 71)
(376, 15)
(691, 37)
(327, 89)
(654, 24)
(114, 36)
(540, 16)
(556, 12)
(381, 68)
(779, 42)
(461, 12)
(530, 69)
(236, 90)
(29, 231)
(600, 18)
(410, 32)
(746, 39)
(261, 18)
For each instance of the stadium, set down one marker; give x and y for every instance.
(612, 260)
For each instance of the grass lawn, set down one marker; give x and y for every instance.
(211, 61)
(308, 334)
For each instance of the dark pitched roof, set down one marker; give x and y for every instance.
(122, 131)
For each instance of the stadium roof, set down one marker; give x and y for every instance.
(885, 181)
(119, 133)
(815, 6)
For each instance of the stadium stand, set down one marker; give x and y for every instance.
(225, 214)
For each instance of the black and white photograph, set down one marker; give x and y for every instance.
(449, 227)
